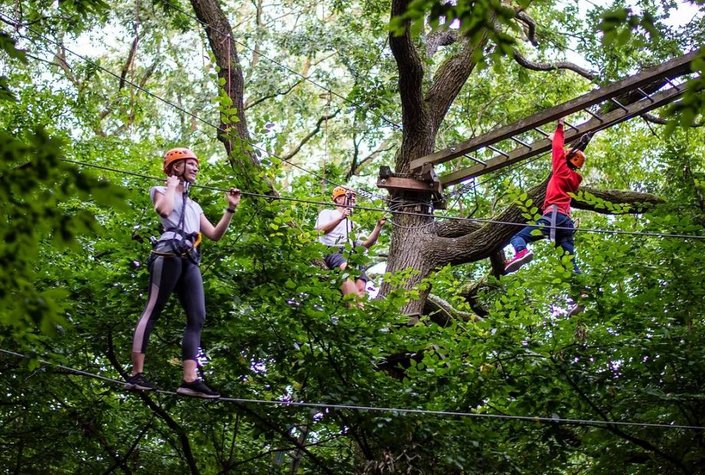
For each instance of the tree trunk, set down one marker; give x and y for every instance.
(233, 131)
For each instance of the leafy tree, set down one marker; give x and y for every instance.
(241, 84)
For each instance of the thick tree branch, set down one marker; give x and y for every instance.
(628, 202)
(449, 80)
(489, 238)
(133, 48)
(233, 132)
(415, 117)
(444, 311)
(454, 228)
(523, 61)
(128, 62)
(440, 37)
(530, 24)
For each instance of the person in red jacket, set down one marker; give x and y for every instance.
(556, 221)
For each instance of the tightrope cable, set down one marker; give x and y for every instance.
(393, 410)
(408, 213)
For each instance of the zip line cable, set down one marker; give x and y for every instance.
(397, 410)
(362, 192)
(396, 211)
(170, 103)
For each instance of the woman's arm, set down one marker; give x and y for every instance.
(557, 144)
(214, 233)
(164, 202)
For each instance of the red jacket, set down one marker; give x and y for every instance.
(563, 180)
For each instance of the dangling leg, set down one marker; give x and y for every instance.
(336, 260)
(567, 243)
(565, 239)
(522, 254)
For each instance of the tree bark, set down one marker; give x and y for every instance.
(413, 236)
(233, 131)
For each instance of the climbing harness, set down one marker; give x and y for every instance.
(183, 243)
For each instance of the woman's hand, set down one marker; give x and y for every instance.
(233, 197)
(172, 182)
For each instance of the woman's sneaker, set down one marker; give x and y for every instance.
(520, 258)
(197, 388)
(137, 382)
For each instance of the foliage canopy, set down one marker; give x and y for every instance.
(91, 94)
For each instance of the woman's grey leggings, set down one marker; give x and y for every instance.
(173, 274)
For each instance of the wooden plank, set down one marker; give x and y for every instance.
(397, 183)
(544, 145)
(670, 69)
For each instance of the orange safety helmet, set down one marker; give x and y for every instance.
(576, 158)
(176, 154)
(339, 191)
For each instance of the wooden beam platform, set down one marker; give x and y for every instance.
(671, 69)
(571, 134)
(397, 183)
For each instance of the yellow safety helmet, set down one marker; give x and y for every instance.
(176, 154)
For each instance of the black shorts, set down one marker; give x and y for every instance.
(336, 259)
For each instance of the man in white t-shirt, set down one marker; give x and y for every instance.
(337, 230)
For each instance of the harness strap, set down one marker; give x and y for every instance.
(554, 215)
(194, 239)
(165, 254)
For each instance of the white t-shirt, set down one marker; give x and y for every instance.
(341, 234)
(192, 214)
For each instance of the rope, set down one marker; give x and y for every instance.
(361, 192)
(408, 213)
(397, 410)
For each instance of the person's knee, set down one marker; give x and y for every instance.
(196, 321)
(567, 246)
(361, 285)
(349, 287)
(335, 261)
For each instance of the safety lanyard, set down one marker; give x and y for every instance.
(552, 220)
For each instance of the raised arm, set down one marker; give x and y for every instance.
(557, 144)
(214, 233)
(372, 238)
(164, 202)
